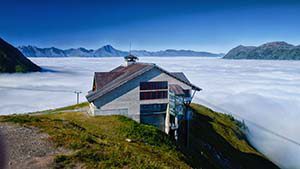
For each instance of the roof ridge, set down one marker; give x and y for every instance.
(176, 72)
(130, 72)
(120, 80)
(170, 74)
(104, 72)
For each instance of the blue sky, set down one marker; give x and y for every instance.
(213, 25)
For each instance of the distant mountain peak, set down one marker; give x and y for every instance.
(278, 50)
(244, 47)
(108, 48)
(105, 51)
(277, 44)
(27, 46)
(241, 46)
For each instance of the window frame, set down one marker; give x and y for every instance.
(152, 95)
(151, 109)
(154, 85)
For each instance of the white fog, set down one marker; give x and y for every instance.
(264, 92)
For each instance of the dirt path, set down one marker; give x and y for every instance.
(26, 148)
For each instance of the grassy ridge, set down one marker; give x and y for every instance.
(232, 130)
(100, 142)
(215, 141)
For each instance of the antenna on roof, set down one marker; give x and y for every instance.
(130, 59)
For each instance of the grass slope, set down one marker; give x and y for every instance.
(100, 142)
(216, 141)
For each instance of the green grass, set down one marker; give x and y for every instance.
(218, 141)
(72, 107)
(230, 129)
(100, 142)
(20, 69)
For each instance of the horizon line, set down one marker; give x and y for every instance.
(119, 49)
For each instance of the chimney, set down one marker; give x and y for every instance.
(130, 59)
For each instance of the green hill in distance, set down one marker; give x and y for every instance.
(268, 51)
(12, 60)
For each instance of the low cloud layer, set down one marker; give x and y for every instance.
(265, 92)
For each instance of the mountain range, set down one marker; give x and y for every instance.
(106, 51)
(12, 60)
(268, 51)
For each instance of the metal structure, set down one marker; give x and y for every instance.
(77, 95)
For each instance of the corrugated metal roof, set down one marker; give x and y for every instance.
(118, 69)
(176, 89)
(103, 78)
(194, 87)
(122, 74)
(180, 76)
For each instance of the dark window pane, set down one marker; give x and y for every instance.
(187, 93)
(153, 85)
(152, 108)
(157, 120)
(153, 95)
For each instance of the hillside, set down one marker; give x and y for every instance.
(12, 60)
(268, 51)
(105, 51)
(216, 141)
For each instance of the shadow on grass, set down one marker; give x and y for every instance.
(207, 148)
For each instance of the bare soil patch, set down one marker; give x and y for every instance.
(27, 147)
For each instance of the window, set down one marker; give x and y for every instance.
(151, 108)
(187, 93)
(153, 95)
(153, 85)
(157, 120)
(154, 114)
